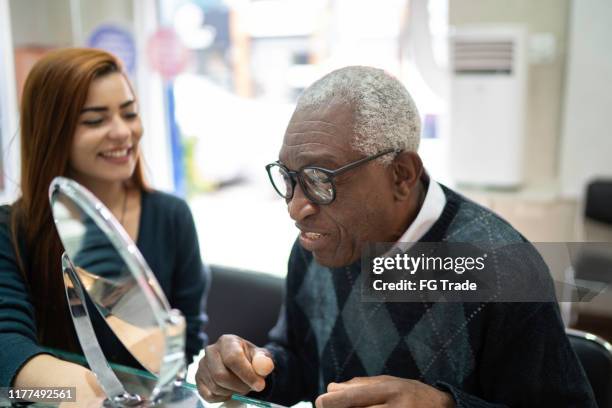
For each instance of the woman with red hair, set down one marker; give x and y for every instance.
(79, 119)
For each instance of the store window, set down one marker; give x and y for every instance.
(250, 61)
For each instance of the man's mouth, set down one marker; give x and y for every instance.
(312, 235)
(313, 241)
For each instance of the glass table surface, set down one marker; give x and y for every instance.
(140, 382)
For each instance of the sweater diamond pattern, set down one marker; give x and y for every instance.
(363, 322)
(439, 343)
(317, 299)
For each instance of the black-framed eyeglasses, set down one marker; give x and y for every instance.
(317, 183)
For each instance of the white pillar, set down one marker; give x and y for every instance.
(155, 143)
(9, 136)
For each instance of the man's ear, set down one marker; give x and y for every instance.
(407, 169)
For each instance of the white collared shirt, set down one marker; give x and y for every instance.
(430, 212)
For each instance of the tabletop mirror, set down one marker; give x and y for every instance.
(102, 262)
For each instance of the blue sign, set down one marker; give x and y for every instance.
(117, 41)
(430, 126)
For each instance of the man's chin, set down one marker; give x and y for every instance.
(330, 261)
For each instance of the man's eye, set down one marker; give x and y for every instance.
(130, 115)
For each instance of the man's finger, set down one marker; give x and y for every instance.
(208, 395)
(353, 396)
(220, 380)
(203, 378)
(332, 387)
(211, 374)
(236, 357)
(356, 381)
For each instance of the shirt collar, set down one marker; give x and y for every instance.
(430, 212)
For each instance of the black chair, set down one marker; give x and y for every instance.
(592, 259)
(598, 201)
(244, 303)
(595, 354)
(597, 223)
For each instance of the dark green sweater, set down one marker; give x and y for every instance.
(168, 241)
(487, 355)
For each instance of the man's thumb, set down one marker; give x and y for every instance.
(262, 363)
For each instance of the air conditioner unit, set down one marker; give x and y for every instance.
(487, 105)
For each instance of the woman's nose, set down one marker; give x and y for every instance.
(120, 129)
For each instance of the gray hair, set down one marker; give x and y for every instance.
(384, 114)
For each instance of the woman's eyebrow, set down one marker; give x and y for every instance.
(94, 109)
(104, 108)
(127, 103)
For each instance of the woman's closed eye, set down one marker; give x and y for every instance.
(130, 115)
(92, 121)
(100, 120)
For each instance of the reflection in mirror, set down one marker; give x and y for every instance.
(108, 281)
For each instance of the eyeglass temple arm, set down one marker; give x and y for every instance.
(358, 163)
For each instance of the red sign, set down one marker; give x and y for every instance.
(167, 54)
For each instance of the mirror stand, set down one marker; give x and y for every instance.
(166, 389)
(173, 368)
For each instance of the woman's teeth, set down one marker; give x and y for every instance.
(116, 153)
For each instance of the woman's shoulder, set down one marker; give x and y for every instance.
(165, 204)
(5, 217)
(163, 199)
(6, 245)
(5, 212)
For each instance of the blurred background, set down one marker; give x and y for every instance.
(514, 97)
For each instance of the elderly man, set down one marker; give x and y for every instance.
(350, 174)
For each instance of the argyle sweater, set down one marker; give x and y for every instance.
(483, 354)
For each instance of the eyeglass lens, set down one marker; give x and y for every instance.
(316, 183)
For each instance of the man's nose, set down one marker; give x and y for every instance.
(300, 207)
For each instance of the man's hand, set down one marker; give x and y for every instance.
(383, 391)
(232, 366)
